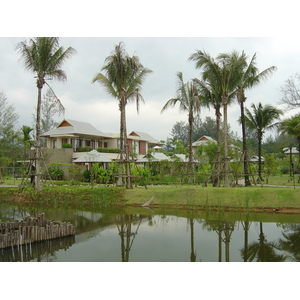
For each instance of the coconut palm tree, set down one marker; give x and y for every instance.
(262, 119)
(44, 57)
(248, 76)
(210, 95)
(291, 126)
(123, 80)
(189, 101)
(220, 73)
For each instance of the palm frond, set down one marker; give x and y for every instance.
(60, 109)
(106, 83)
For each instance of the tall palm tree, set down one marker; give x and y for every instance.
(219, 72)
(189, 101)
(248, 76)
(123, 80)
(291, 126)
(210, 95)
(44, 57)
(262, 119)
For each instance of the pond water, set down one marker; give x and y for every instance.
(146, 235)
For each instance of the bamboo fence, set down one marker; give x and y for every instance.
(32, 230)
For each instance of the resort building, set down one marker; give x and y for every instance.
(204, 140)
(72, 140)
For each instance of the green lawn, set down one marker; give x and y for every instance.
(284, 180)
(240, 198)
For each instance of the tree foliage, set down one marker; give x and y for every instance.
(9, 137)
(290, 92)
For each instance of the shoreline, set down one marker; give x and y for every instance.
(275, 200)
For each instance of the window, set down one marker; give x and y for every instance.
(135, 147)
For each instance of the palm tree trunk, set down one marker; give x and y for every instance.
(38, 140)
(291, 161)
(120, 178)
(226, 158)
(191, 119)
(245, 150)
(259, 156)
(218, 124)
(125, 146)
(190, 139)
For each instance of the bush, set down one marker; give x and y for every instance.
(108, 150)
(56, 173)
(75, 173)
(87, 176)
(84, 149)
(66, 146)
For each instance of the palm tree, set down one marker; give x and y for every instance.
(220, 73)
(210, 95)
(262, 119)
(189, 101)
(123, 80)
(44, 57)
(247, 76)
(291, 127)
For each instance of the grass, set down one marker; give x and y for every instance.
(64, 196)
(250, 198)
(284, 180)
(196, 197)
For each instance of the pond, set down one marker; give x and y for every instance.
(160, 235)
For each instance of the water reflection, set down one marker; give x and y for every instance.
(263, 250)
(125, 236)
(40, 251)
(290, 243)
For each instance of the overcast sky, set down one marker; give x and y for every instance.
(165, 56)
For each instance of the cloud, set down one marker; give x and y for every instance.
(165, 56)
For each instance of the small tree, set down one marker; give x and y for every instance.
(262, 119)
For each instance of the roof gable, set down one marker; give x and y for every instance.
(75, 128)
(64, 123)
(144, 136)
(205, 138)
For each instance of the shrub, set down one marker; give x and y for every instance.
(108, 150)
(75, 173)
(66, 146)
(84, 149)
(87, 176)
(56, 173)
